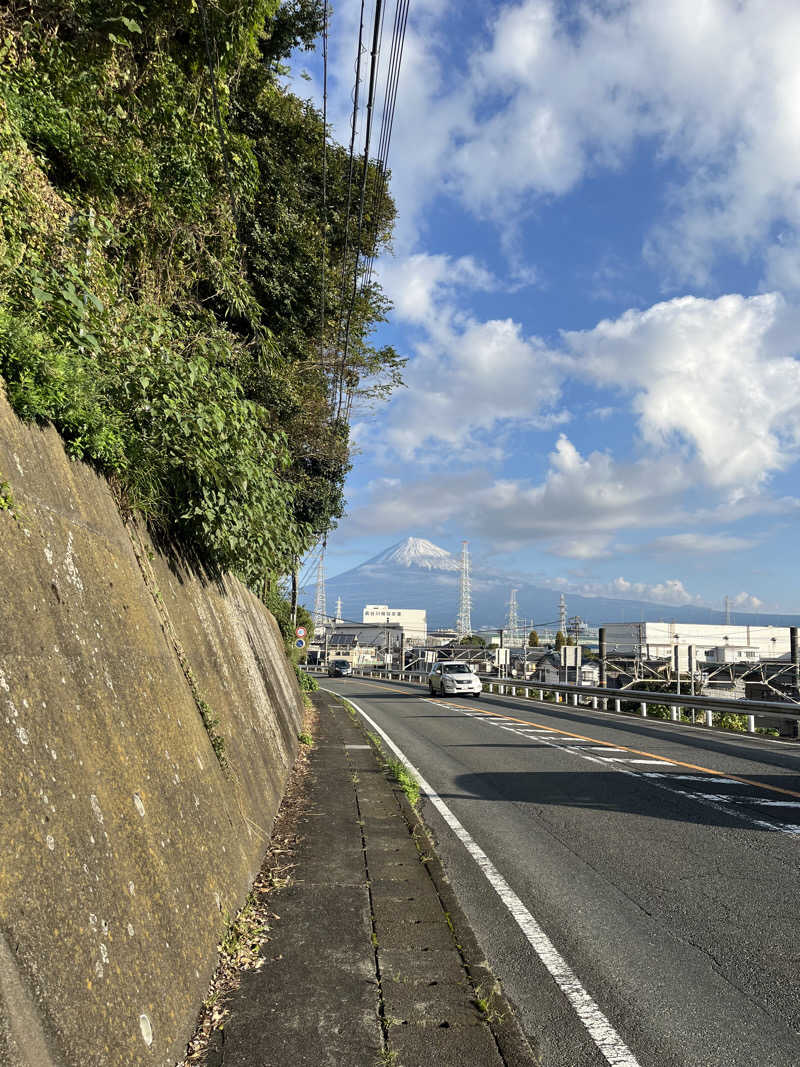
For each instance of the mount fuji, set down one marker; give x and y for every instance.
(415, 573)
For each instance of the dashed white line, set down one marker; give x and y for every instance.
(729, 803)
(605, 1037)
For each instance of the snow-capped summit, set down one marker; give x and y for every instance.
(416, 552)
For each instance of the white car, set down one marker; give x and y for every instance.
(454, 676)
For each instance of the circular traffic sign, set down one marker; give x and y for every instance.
(299, 643)
(300, 631)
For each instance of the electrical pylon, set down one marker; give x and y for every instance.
(562, 616)
(464, 622)
(320, 607)
(512, 622)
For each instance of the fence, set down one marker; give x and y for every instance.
(786, 718)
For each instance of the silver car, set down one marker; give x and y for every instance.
(454, 676)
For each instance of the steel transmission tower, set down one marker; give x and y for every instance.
(512, 622)
(464, 622)
(320, 607)
(562, 615)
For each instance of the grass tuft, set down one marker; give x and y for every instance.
(405, 779)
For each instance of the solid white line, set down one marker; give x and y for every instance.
(605, 1037)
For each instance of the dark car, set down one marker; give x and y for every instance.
(340, 668)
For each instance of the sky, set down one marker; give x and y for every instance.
(596, 284)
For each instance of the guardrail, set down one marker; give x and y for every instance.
(603, 698)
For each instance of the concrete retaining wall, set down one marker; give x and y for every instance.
(123, 844)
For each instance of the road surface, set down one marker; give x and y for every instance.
(633, 884)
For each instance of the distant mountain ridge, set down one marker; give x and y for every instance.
(416, 573)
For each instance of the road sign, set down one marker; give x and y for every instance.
(299, 643)
(300, 631)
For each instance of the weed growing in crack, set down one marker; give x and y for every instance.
(405, 779)
(305, 739)
(486, 1001)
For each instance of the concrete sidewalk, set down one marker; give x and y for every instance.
(370, 960)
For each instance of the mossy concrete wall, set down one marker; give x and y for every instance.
(124, 842)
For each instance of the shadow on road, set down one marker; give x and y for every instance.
(609, 791)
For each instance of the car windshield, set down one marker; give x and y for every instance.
(341, 663)
(456, 668)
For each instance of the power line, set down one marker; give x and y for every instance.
(373, 71)
(324, 169)
(351, 161)
(387, 120)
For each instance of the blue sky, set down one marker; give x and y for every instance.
(596, 282)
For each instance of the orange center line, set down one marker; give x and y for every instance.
(610, 744)
(640, 752)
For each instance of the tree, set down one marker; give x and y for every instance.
(473, 641)
(533, 639)
(560, 640)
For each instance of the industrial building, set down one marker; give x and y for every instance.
(715, 643)
(412, 621)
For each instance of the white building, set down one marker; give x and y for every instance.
(412, 621)
(657, 640)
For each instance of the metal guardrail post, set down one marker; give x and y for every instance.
(617, 704)
(709, 717)
(643, 710)
(673, 713)
(541, 694)
(751, 724)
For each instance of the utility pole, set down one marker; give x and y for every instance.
(602, 638)
(562, 615)
(677, 665)
(326, 648)
(320, 606)
(727, 611)
(691, 669)
(338, 609)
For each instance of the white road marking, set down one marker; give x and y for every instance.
(694, 778)
(605, 1037)
(724, 802)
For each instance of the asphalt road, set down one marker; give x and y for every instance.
(660, 861)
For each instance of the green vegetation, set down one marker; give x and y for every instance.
(533, 639)
(405, 779)
(473, 641)
(560, 639)
(308, 683)
(488, 1001)
(305, 739)
(161, 241)
(6, 497)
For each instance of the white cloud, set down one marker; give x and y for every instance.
(712, 89)
(574, 511)
(468, 378)
(669, 591)
(712, 374)
(747, 602)
(694, 543)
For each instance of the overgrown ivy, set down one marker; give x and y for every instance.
(186, 365)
